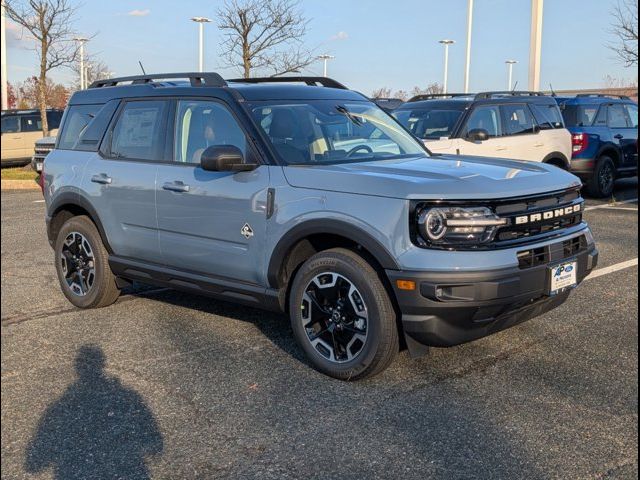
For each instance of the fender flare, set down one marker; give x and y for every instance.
(324, 226)
(559, 155)
(74, 199)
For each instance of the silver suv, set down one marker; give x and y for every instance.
(301, 196)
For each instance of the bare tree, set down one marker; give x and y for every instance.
(383, 92)
(264, 35)
(625, 29)
(95, 69)
(49, 23)
(432, 88)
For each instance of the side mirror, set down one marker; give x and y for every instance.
(477, 135)
(224, 158)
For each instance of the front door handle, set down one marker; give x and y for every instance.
(501, 147)
(102, 178)
(619, 136)
(176, 186)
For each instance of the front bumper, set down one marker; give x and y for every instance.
(447, 309)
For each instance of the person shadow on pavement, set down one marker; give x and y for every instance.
(97, 429)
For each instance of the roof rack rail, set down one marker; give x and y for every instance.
(514, 93)
(432, 96)
(313, 81)
(197, 79)
(603, 95)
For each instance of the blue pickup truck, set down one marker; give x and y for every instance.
(604, 132)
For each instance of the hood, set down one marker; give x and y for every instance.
(431, 178)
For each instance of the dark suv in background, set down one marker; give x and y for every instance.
(604, 132)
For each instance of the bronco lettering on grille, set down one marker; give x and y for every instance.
(548, 215)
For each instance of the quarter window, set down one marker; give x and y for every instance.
(518, 119)
(632, 111)
(76, 120)
(202, 124)
(485, 118)
(138, 132)
(617, 116)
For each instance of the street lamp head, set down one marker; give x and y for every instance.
(447, 42)
(201, 19)
(325, 57)
(511, 62)
(81, 39)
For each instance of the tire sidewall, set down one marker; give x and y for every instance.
(88, 230)
(605, 160)
(315, 266)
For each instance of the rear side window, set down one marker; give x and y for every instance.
(31, 123)
(76, 120)
(617, 117)
(138, 133)
(547, 116)
(10, 124)
(579, 115)
(518, 119)
(486, 118)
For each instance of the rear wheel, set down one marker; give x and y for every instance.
(603, 178)
(82, 265)
(342, 316)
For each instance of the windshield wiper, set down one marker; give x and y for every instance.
(355, 120)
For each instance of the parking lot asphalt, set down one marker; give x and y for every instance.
(168, 385)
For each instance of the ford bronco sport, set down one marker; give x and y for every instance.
(301, 196)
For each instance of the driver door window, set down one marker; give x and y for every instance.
(202, 124)
(485, 118)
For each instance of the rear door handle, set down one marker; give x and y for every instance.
(501, 147)
(538, 144)
(176, 186)
(102, 178)
(619, 136)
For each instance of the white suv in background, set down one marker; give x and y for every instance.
(514, 125)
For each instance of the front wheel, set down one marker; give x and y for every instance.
(603, 178)
(82, 265)
(342, 316)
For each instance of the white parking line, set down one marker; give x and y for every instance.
(611, 205)
(613, 268)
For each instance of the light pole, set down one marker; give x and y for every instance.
(4, 60)
(82, 41)
(201, 21)
(446, 44)
(510, 64)
(467, 63)
(535, 45)
(325, 58)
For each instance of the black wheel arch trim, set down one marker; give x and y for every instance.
(74, 199)
(557, 155)
(610, 150)
(330, 227)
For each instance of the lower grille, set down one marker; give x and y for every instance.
(555, 252)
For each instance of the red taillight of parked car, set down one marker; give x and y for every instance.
(579, 142)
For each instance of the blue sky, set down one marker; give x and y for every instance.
(376, 42)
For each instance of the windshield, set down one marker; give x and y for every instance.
(330, 131)
(431, 124)
(579, 115)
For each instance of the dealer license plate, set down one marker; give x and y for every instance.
(563, 276)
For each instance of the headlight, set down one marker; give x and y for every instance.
(452, 226)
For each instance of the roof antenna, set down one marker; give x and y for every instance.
(553, 94)
(141, 67)
(514, 87)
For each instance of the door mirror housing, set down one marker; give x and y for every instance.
(477, 135)
(224, 158)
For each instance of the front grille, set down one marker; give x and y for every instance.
(538, 217)
(43, 151)
(555, 252)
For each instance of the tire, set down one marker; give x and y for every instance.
(602, 178)
(92, 291)
(373, 325)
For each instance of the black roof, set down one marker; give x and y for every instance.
(463, 100)
(212, 84)
(29, 111)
